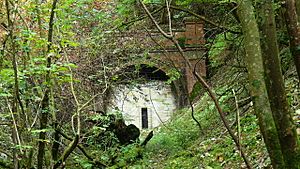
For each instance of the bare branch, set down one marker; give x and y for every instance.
(81, 148)
(155, 22)
(67, 152)
(169, 16)
(204, 19)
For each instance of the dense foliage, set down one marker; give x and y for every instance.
(59, 61)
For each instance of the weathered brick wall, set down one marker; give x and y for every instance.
(194, 33)
(193, 38)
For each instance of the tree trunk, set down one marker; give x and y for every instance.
(275, 86)
(56, 144)
(294, 32)
(254, 64)
(45, 101)
(42, 134)
(14, 110)
(298, 9)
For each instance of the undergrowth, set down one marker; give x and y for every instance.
(181, 144)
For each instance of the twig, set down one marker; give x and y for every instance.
(204, 19)
(140, 18)
(14, 61)
(67, 152)
(155, 109)
(20, 15)
(165, 51)
(76, 101)
(15, 125)
(169, 16)
(237, 118)
(37, 113)
(194, 118)
(4, 124)
(82, 150)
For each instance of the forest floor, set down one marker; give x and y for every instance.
(181, 144)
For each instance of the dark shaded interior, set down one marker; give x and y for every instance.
(145, 72)
(152, 73)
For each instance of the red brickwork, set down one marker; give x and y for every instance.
(194, 33)
(194, 50)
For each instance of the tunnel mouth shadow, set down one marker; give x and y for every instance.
(143, 72)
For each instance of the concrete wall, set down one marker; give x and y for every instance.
(156, 96)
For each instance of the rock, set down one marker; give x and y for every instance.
(126, 134)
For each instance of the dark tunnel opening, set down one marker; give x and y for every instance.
(144, 72)
(152, 73)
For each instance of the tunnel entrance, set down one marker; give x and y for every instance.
(146, 103)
